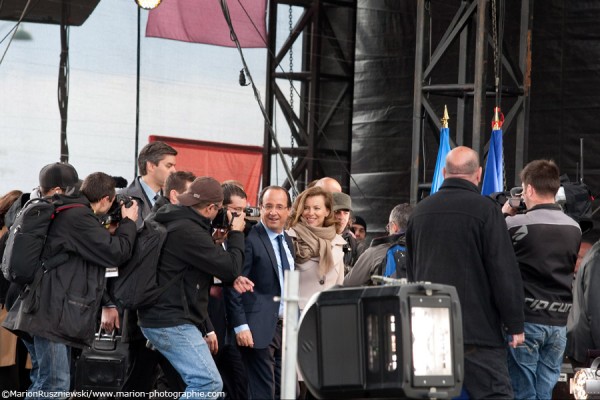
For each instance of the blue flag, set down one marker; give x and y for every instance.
(438, 178)
(493, 178)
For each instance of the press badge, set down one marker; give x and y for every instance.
(111, 272)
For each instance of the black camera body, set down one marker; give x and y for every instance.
(221, 221)
(513, 197)
(113, 215)
(252, 212)
(516, 199)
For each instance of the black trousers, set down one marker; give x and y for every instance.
(264, 368)
(486, 373)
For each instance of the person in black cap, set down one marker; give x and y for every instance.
(189, 255)
(69, 295)
(359, 228)
(54, 179)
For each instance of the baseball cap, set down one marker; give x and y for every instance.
(203, 189)
(341, 201)
(62, 175)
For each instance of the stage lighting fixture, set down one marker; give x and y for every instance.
(585, 384)
(401, 340)
(148, 4)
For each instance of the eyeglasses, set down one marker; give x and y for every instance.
(237, 210)
(217, 206)
(270, 207)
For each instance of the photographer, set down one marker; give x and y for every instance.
(546, 242)
(228, 358)
(171, 325)
(70, 294)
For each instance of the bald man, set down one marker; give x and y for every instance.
(458, 237)
(329, 184)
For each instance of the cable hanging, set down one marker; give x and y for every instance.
(234, 38)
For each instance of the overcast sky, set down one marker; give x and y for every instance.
(187, 90)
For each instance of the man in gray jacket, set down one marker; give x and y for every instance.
(370, 261)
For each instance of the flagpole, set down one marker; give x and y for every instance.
(137, 93)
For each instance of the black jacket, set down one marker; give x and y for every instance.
(189, 250)
(458, 237)
(583, 326)
(68, 297)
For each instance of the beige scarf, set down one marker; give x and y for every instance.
(314, 242)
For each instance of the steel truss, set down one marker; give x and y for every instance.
(472, 86)
(321, 121)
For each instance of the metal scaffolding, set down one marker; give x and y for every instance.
(469, 32)
(320, 120)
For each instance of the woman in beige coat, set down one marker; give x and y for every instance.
(318, 248)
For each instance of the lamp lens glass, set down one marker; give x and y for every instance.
(431, 341)
(148, 4)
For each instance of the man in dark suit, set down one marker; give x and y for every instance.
(254, 316)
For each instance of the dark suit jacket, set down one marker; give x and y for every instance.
(257, 309)
(144, 206)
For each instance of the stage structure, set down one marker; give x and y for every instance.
(64, 13)
(475, 64)
(319, 114)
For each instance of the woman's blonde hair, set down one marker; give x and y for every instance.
(298, 206)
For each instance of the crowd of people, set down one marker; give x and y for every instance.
(217, 326)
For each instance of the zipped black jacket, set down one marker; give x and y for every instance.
(67, 302)
(189, 251)
(458, 237)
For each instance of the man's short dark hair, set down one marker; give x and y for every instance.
(98, 185)
(231, 189)
(153, 152)
(543, 175)
(400, 214)
(178, 181)
(262, 194)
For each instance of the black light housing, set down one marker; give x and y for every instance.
(383, 341)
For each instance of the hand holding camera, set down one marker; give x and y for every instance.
(129, 209)
(237, 221)
(227, 220)
(514, 204)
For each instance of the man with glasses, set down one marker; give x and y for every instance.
(255, 318)
(224, 350)
(189, 260)
(374, 260)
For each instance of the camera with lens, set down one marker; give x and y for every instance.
(113, 215)
(221, 221)
(516, 200)
(252, 212)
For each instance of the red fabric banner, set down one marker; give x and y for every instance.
(202, 21)
(222, 161)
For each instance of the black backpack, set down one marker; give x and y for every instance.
(26, 240)
(578, 202)
(137, 286)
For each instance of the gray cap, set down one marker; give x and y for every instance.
(341, 201)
